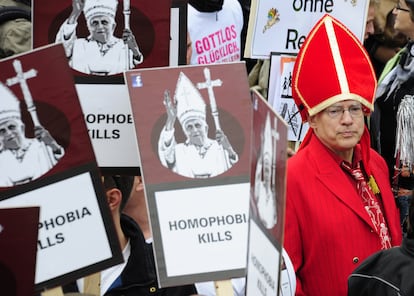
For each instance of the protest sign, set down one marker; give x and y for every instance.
(99, 77)
(267, 201)
(47, 161)
(282, 26)
(280, 95)
(197, 192)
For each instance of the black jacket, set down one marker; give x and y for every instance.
(139, 276)
(383, 121)
(385, 273)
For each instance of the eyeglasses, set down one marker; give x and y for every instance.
(398, 7)
(337, 111)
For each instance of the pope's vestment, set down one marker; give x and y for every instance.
(188, 160)
(31, 162)
(92, 57)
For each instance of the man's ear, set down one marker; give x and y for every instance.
(114, 198)
(312, 121)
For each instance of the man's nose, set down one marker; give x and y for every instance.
(6, 131)
(346, 116)
(371, 29)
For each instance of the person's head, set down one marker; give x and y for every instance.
(136, 197)
(12, 129)
(207, 5)
(335, 99)
(410, 220)
(392, 36)
(136, 207)
(267, 150)
(267, 167)
(12, 134)
(370, 22)
(339, 126)
(118, 189)
(196, 130)
(100, 18)
(191, 110)
(404, 17)
(101, 28)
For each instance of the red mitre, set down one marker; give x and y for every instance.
(332, 66)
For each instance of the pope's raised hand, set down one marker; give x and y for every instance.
(78, 5)
(171, 108)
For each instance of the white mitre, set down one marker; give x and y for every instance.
(100, 7)
(190, 103)
(9, 104)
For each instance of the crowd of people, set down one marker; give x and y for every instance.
(349, 216)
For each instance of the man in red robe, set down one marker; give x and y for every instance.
(339, 205)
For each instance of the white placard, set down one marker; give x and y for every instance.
(70, 226)
(282, 26)
(280, 95)
(110, 124)
(213, 233)
(263, 264)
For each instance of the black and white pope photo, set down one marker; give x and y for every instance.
(22, 158)
(198, 156)
(265, 177)
(101, 52)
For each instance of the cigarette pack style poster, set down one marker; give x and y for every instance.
(267, 201)
(47, 160)
(193, 130)
(40, 111)
(105, 37)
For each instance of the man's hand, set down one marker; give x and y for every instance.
(78, 5)
(130, 40)
(77, 8)
(44, 136)
(222, 139)
(171, 108)
(406, 171)
(290, 152)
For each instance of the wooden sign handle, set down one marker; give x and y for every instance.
(92, 284)
(57, 291)
(224, 288)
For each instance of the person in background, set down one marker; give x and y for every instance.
(215, 28)
(136, 207)
(245, 5)
(137, 274)
(370, 22)
(386, 41)
(339, 205)
(392, 123)
(15, 27)
(388, 272)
